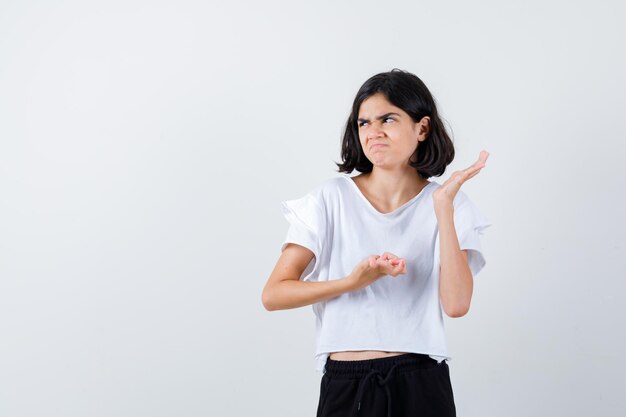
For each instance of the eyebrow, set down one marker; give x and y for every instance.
(381, 117)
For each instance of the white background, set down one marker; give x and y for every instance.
(145, 146)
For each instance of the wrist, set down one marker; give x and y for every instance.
(442, 210)
(349, 281)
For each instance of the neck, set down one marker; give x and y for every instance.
(394, 186)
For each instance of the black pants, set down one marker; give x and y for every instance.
(408, 385)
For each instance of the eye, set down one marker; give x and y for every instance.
(361, 124)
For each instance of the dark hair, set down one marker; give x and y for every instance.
(408, 92)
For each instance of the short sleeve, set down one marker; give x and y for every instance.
(470, 224)
(307, 223)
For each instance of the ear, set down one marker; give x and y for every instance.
(423, 127)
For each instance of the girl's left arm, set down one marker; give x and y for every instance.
(456, 283)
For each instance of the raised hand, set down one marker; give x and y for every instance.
(444, 195)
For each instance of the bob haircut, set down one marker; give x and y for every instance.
(408, 92)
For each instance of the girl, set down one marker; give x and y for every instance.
(382, 255)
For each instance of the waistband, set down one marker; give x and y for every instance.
(382, 369)
(401, 363)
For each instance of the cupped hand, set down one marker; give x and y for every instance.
(374, 267)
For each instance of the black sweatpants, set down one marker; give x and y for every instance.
(408, 385)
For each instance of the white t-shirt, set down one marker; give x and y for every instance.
(394, 314)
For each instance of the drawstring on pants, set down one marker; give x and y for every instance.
(382, 381)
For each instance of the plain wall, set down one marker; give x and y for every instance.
(145, 146)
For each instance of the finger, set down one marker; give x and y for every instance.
(467, 174)
(389, 255)
(399, 266)
(482, 159)
(476, 168)
(387, 264)
(474, 174)
(473, 168)
(381, 261)
(396, 261)
(480, 163)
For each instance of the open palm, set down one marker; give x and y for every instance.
(444, 196)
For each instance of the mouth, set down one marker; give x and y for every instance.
(377, 145)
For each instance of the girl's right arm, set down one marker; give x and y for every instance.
(284, 290)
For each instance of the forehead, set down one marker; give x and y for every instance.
(376, 105)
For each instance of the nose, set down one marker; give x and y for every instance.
(375, 131)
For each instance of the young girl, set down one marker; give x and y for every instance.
(382, 255)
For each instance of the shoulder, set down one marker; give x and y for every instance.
(327, 189)
(334, 182)
(461, 199)
(466, 208)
